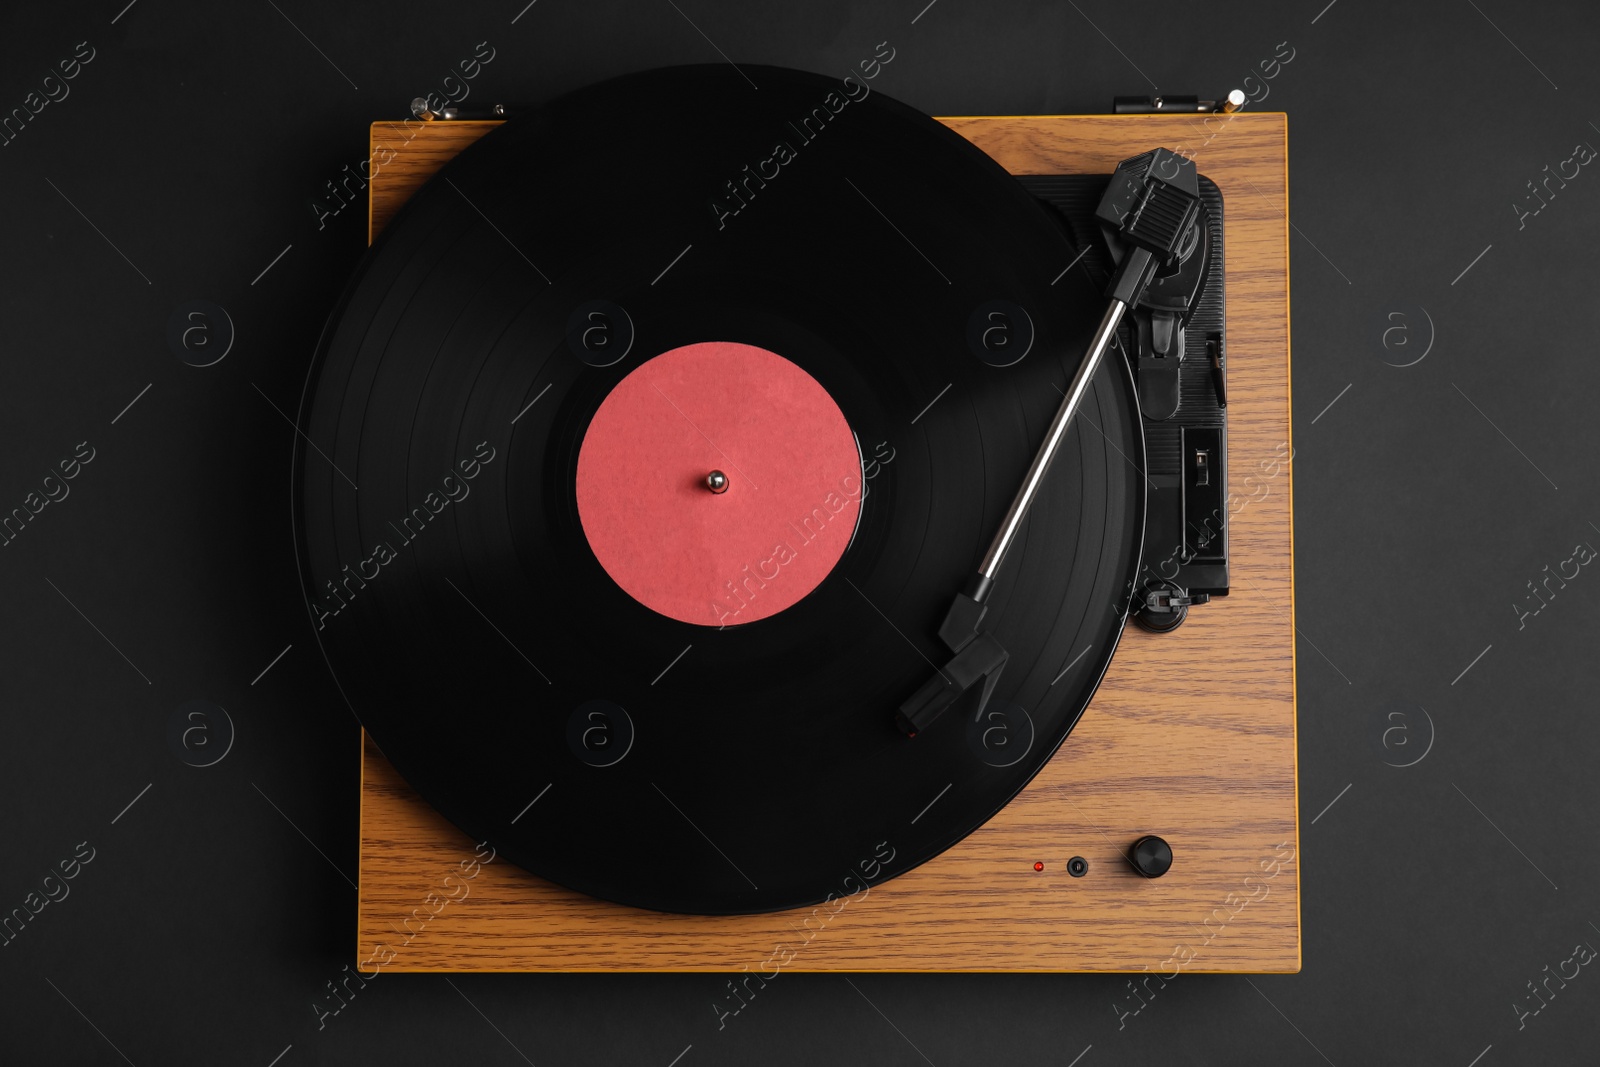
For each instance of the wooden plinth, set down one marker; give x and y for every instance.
(1191, 735)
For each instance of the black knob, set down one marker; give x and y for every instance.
(1150, 856)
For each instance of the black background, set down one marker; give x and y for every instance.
(1427, 497)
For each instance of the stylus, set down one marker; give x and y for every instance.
(1148, 208)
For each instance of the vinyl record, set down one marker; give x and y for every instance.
(503, 543)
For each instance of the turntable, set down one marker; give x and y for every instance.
(688, 587)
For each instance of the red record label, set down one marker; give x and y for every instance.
(790, 487)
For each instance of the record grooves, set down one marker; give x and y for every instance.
(482, 643)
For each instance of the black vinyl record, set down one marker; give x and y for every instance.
(472, 628)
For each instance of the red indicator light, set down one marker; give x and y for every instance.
(1038, 866)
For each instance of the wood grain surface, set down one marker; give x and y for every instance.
(1191, 735)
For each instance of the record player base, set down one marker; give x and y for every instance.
(1191, 736)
